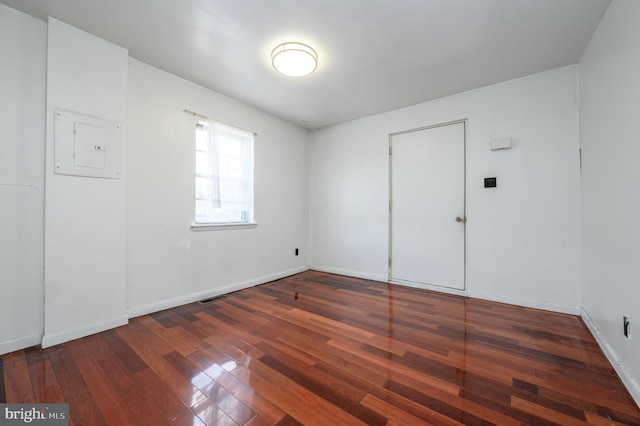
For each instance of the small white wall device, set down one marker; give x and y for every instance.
(86, 146)
(498, 144)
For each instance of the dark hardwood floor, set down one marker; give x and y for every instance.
(318, 348)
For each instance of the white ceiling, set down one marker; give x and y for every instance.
(374, 55)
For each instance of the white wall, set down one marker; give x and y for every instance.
(85, 261)
(610, 107)
(523, 237)
(167, 263)
(22, 87)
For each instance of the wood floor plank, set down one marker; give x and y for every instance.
(414, 382)
(387, 365)
(325, 391)
(182, 387)
(547, 413)
(102, 352)
(216, 394)
(597, 420)
(301, 404)
(44, 383)
(3, 397)
(311, 373)
(395, 415)
(147, 411)
(253, 400)
(112, 405)
(211, 413)
(161, 392)
(127, 355)
(345, 359)
(316, 348)
(221, 330)
(83, 408)
(171, 335)
(258, 421)
(16, 388)
(147, 327)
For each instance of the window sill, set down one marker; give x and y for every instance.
(204, 227)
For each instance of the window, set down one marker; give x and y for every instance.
(224, 174)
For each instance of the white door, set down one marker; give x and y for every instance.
(428, 206)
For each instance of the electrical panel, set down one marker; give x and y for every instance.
(86, 146)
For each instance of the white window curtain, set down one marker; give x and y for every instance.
(211, 190)
(230, 155)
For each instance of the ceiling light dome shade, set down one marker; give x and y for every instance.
(294, 59)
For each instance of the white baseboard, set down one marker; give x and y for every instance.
(627, 379)
(350, 273)
(527, 303)
(20, 343)
(435, 288)
(48, 339)
(190, 298)
(76, 333)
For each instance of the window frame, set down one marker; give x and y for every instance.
(222, 225)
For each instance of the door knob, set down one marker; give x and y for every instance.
(461, 219)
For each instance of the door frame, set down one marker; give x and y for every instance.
(441, 289)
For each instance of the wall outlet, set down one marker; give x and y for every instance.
(626, 327)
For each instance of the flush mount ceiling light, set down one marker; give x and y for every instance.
(294, 59)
